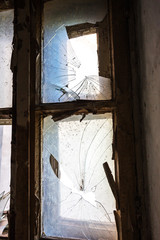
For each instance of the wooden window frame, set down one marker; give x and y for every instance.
(28, 113)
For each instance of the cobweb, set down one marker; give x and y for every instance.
(77, 200)
(65, 76)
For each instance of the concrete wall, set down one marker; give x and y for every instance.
(148, 29)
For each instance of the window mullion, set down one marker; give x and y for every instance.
(20, 188)
(81, 106)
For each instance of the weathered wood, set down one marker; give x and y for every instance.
(27, 123)
(36, 128)
(124, 134)
(104, 48)
(111, 182)
(81, 29)
(58, 238)
(117, 215)
(79, 105)
(5, 121)
(20, 202)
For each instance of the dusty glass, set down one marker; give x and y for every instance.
(6, 36)
(76, 198)
(5, 158)
(70, 66)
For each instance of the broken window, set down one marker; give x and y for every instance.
(77, 202)
(71, 52)
(6, 36)
(77, 109)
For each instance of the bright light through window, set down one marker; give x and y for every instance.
(85, 48)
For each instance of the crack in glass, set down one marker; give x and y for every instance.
(71, 79)
(77, 201)
(70, 65)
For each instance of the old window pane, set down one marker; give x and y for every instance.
(6, 36)
(70, 65)
(76, 199)
(5, 155)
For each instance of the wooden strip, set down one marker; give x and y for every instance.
(90, 106)
(111, 181)
(125, 141)
(35, 119)
(5, 121)
(20, 169)
(81, 29)
(58, 238)
(117, 215)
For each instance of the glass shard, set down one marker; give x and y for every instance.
(6, 36)
(70, 66)
(76, 198)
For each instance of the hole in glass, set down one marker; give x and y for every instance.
(70, 65)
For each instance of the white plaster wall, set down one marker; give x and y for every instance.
(148, 26)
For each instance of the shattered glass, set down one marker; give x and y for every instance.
(70, 66)
(76, 198)
(6, 36)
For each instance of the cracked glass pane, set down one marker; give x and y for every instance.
(6, 36)
(76, 198)
(5, 168)
(70, 65)
(5, 155)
